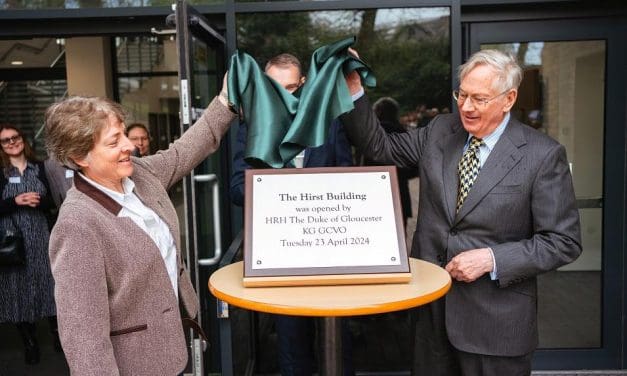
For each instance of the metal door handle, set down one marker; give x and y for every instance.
(589, 202)
(156, 31)
(217, 233)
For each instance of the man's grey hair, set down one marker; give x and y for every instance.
(509, 73)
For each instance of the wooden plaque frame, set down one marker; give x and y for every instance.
(325, 275)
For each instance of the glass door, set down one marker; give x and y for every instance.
(201, 68)
(573, 90)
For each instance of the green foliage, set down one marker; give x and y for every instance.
(411, 65)
(84, 4)
(412, 72)
(266, 35)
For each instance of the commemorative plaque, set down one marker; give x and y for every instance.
(321, 226)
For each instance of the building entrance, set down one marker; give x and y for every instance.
(141, 71)
(568, 92)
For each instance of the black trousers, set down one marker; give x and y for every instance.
(487, 365)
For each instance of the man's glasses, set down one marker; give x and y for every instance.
(476, 102)
(10, 140)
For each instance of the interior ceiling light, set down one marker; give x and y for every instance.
(17, 62)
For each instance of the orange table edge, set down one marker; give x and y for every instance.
(428, 283)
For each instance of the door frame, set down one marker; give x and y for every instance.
(191, 24)
(611, 354)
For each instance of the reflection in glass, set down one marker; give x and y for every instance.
(146, 54)
(408, 49)
(24, 103)
(409, 52)
(562, 94)
(72, 4)
(203, 86)
(148, 88)
(145, 97)
(204, 74)
(32, 53)
(148, 85)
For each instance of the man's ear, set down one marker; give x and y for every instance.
(510, 99)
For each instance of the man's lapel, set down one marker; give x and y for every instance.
(502, 159)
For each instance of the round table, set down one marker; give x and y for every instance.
(428, 283)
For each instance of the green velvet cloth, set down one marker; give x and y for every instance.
(281, 124)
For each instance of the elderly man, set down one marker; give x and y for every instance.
(497, 208)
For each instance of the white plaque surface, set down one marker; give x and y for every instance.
(323, 220)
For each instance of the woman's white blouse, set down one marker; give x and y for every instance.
(147, 220)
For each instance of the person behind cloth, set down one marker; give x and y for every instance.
(518, 219)
(286, 69)
(26, 292)
(115, 249)
(295, 335)
(139, 136)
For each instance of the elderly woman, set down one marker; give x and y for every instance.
(115, 249)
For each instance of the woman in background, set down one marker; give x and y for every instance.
(139, 136)
(26, 292)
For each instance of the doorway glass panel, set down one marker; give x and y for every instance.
(563, 95)
(407, 48)
(32, 53)
(409, 52)
(85, 4)
(23, 104)
(204, 87)
(148, 89)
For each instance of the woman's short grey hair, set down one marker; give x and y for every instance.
(73, 125)
(509, 73)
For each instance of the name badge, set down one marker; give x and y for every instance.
(15, 180)
(69, 174)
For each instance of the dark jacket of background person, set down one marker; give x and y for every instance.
(60, 179)
(336, 151)
(118, 314)
(283, 75)
(295, 334)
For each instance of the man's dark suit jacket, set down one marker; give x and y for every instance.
(522, 205)
(336, 151)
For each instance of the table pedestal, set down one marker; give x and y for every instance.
(429, 282)
(330, 335)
